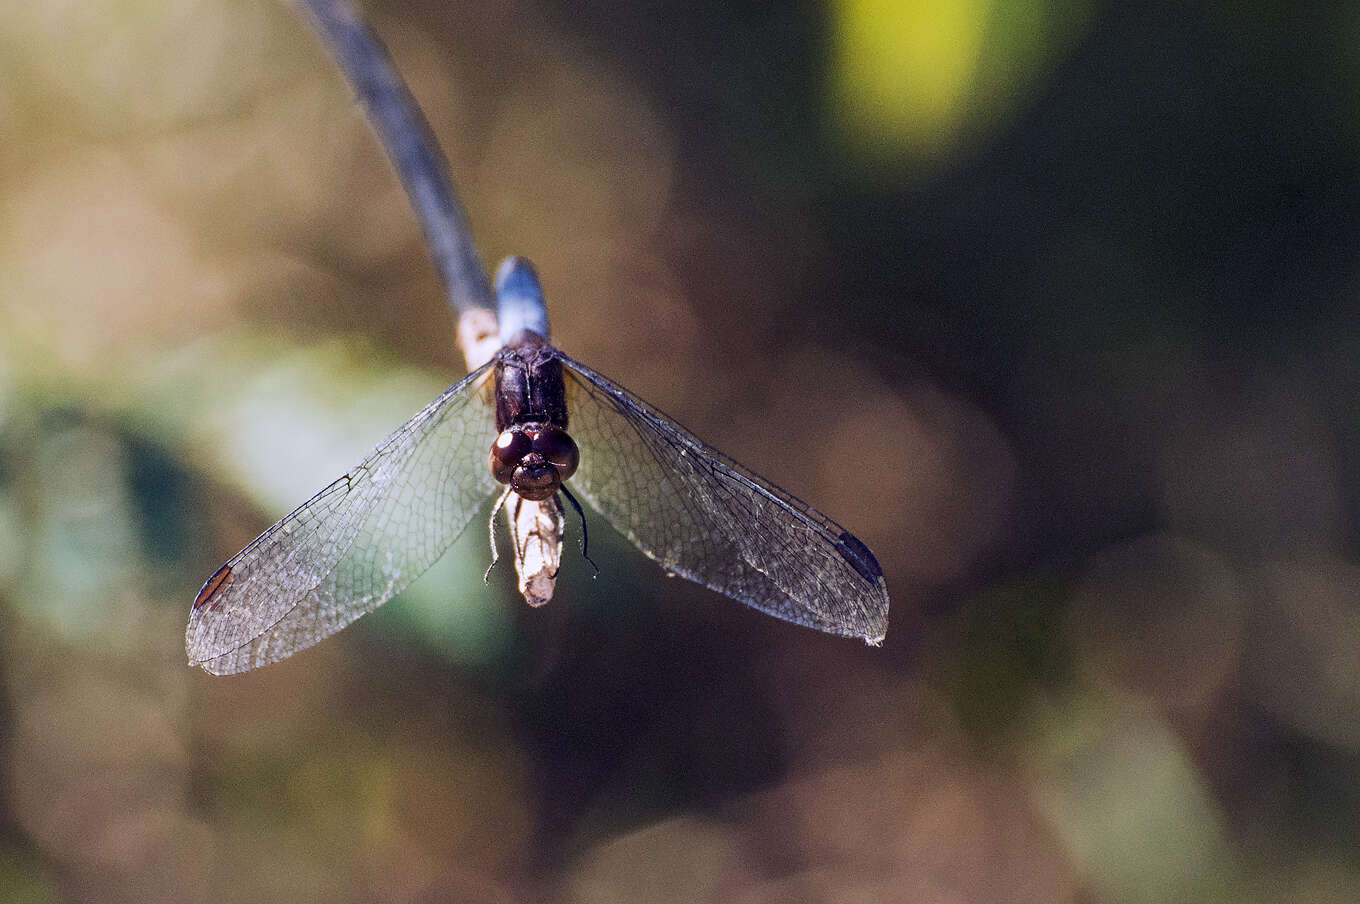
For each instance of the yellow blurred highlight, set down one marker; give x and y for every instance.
(907, 79)
(901, 70)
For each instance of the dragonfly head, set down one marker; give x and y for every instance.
(534, 459)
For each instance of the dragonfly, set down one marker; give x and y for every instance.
(552, 426)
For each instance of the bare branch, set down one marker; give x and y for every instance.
(406, 135)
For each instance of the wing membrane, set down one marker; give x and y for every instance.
(706, 518)
(356, 543)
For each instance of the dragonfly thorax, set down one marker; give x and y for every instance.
(534, 459)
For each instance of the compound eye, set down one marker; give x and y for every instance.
(559, 450)
(506, 453)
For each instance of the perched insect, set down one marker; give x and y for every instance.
(550, 421)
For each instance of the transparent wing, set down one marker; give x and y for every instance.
(356, 543)
(704, 517)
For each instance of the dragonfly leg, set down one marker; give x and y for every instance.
(491, 529)
(585, 536)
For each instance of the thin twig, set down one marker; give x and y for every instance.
(412, 148)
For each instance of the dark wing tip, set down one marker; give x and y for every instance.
(207, 601)
(213, 588)
(858, 556)
(853, 550)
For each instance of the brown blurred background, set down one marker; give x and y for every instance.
(1052, 302)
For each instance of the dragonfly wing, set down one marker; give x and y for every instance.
(704, 517)
(355, 544)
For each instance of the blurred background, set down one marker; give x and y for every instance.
(1052, 302)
